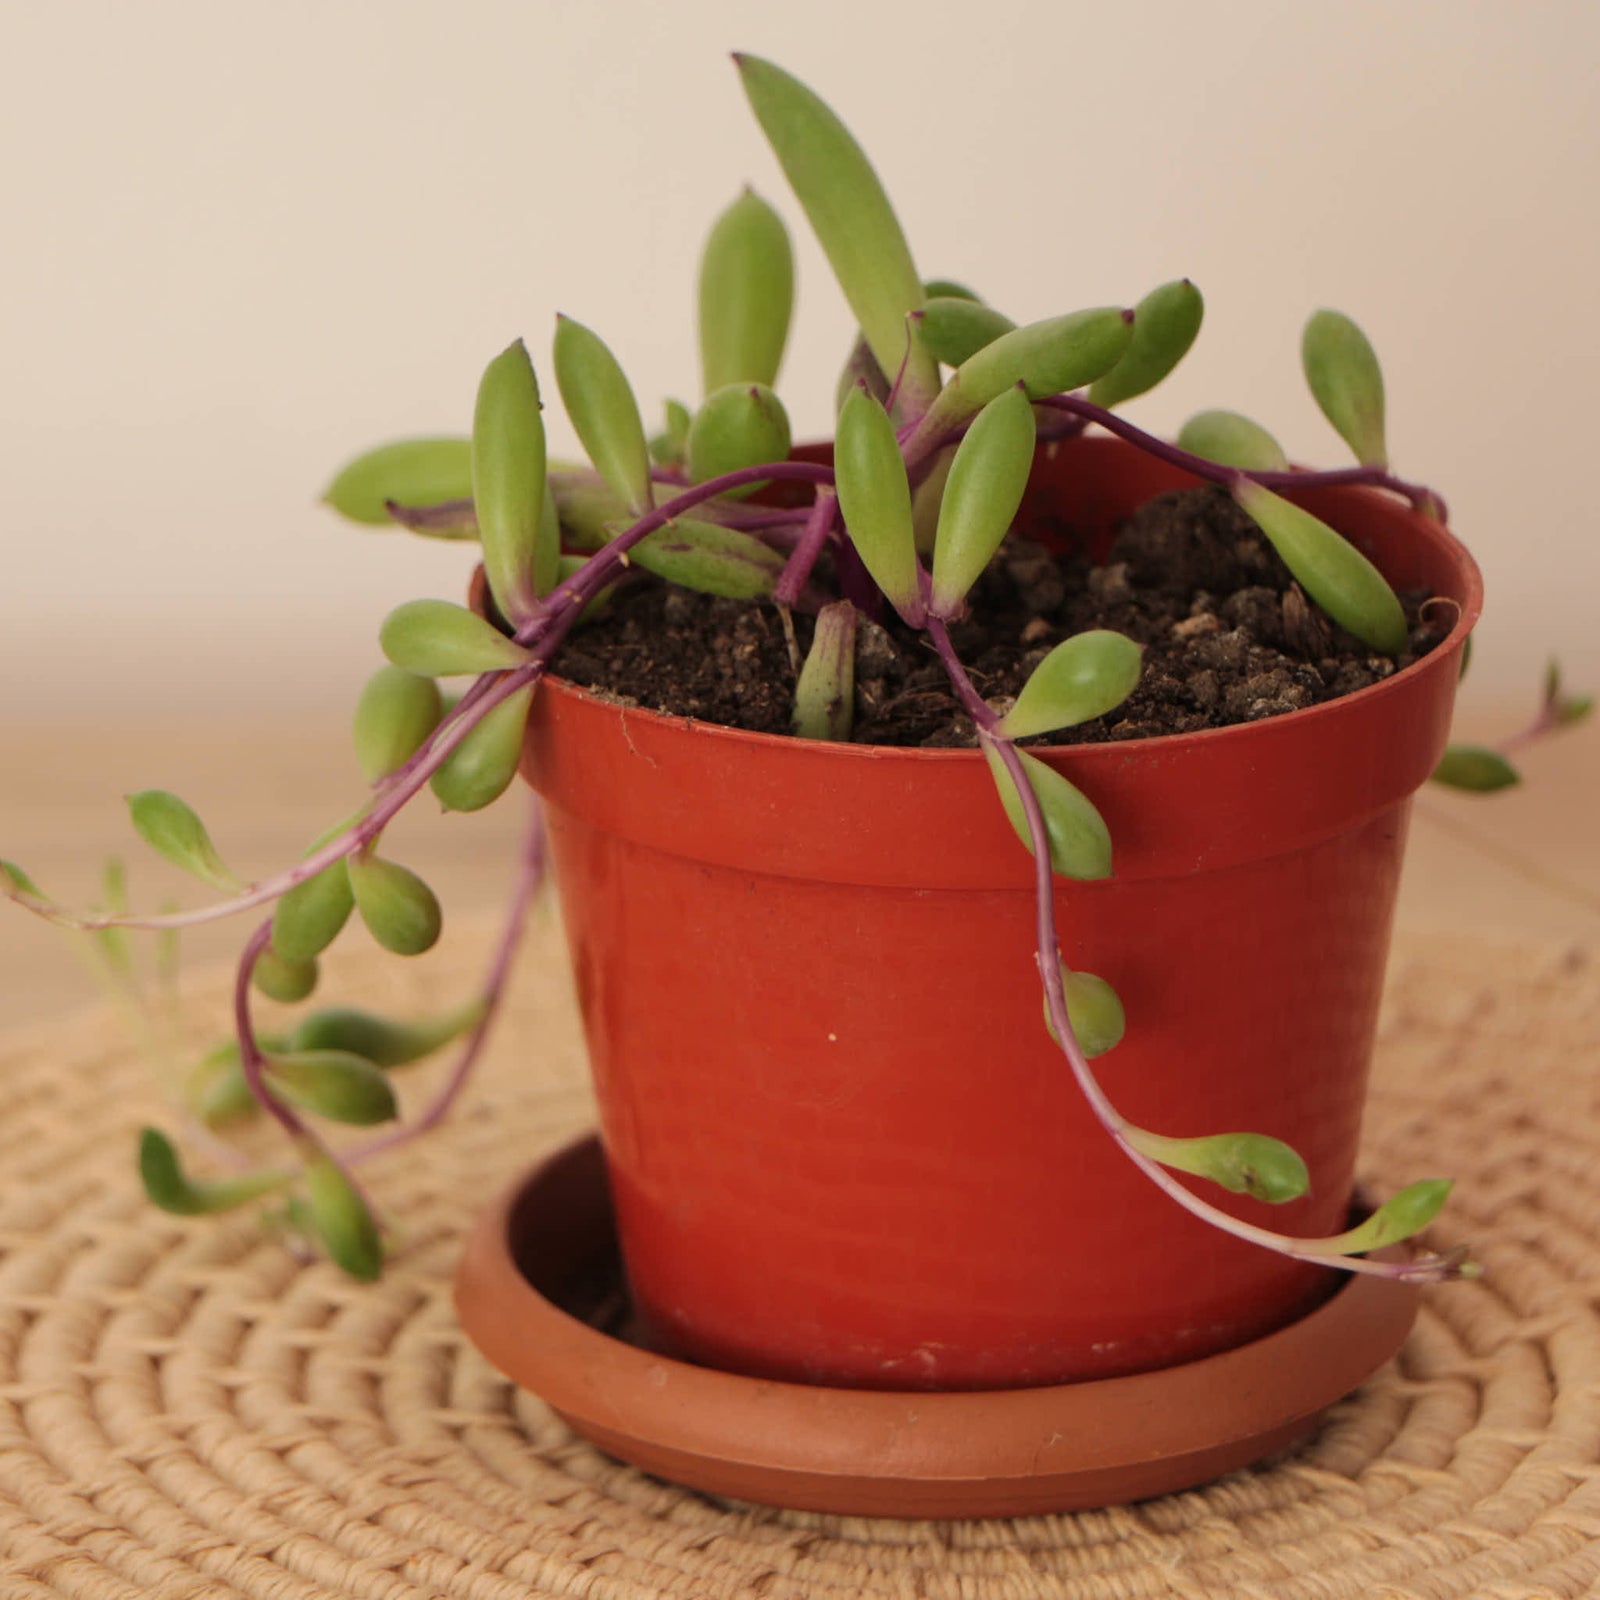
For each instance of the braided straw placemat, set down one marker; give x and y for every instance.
(186, 1412)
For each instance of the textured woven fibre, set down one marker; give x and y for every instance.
(187, 1412)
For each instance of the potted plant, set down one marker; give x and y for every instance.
(1163, 790)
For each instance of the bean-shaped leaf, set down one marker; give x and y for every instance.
(1232, 440)
(981, 496)
(746, 295)
(1329, 568)
(1399, 1217)
(1082, 678)
(1080, 842)
(1165, 324)
(600, 403)
(1342, 369)
(172, 829)
(395, 712)
(825, 694)
(947, 289)
(711, 559)
(281, 979)
(335, 1084)
(955, 329)
(400, 910)
(169, 1187)
(342, 1219)
(215, 1090)
(1094, 1010)
(743, 425)
(1242, 1163)
(850, 215)
(310, 916)
(439, 639)
(669, 447)
(875, 497)
(387, 1041)
(409, 472)
(508, 485)
(1046, 358)
(1475, 768)
(480, 769)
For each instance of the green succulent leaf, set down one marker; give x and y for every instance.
(15, 881)
(408, 472)
(1342, 370)
(875, 498)
(1232, 440)
(670, 447)
(1400, 1217)
(386, 1041)
(335, 1084)
(520, 546)
(600, 402)
(1475, 768)
(480, 769)
(709, 558)
(1046, 358)
(1082, 678)
(1094, 1010)
(850, 215)
(743, 425)
(169, 1187)
(439, 639)
(215, 1091)
(284, 980)
(312, 914)
(1242, 1163)
(401, 912)
(825, 695)
(1165, 324)
(746, 295)
(395, 713)
(985, 487)
(1562, 708)
(1329, 568)
(947, 289)
(342, 1219)
(956, 328)
(172, 829)
(1080, 842)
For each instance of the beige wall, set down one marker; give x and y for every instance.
(242, 241)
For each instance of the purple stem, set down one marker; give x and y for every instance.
(251, 1060)
(1420, 1269)
(528, 882)
(1214, 472)
(796, 572)
(563, 603)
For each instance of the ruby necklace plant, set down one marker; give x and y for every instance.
(943, 405)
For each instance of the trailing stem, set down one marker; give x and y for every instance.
(529, 879)
(1420, 1269)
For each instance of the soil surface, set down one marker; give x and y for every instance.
(1228, 637)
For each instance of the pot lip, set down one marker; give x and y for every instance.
(633, 1399)
(1468, 610)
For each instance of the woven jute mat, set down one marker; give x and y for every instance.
(186, 1411)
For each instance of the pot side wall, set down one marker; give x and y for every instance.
(843, 1148)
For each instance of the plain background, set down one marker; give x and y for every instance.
(242, 242)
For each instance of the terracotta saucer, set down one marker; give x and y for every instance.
(540, 1294)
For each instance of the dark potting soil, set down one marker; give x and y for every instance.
(1228, 637)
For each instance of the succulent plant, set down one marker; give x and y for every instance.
(943, 402)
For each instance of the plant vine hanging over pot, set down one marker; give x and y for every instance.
(959, 434)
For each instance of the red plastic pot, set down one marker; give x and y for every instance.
(841, 1145)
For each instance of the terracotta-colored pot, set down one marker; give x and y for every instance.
(842, 1147)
